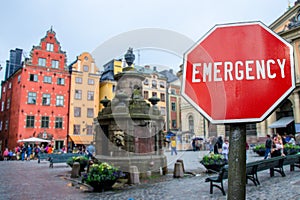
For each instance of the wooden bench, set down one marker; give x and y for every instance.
(293, 161)
(57, 158)
(215, 180)
(273, 164)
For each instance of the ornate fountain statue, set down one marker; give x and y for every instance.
(130, 130)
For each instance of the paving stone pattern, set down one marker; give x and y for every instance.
(30, 180)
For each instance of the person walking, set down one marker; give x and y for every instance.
(220, 144)
(37, 151)
(29, 152)
(23, 152)
(225, 149)
(173, 146)
(214, 144)
(268, 146)
(194, 144)
(91, 151)
(5, 154)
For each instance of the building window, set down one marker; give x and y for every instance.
(77, 111)
(60, 81)
(78, 94)
(173, 106)
(19, 78)
(162, 84)
(76, 129)
(59, 100)
(78, 80)
(113, 88)
(251, 129)
(42, 62)
(154, 94)
(29, 121)
(173, 91)
(89, 130)
(47, 79)
(49, 47)
(6, 125)
(146, 95)
(174, 124)
(90, 112)
(154, 84)
(33, 77)
(9, 86)
(85, 68)
(91, 81)
(162, 97)
(146, 82)
(55, 64)
(8, 104)
(191, 124)
(2, 106)
(58, 122)
(46, 100)
(90, 95)
(45, 122)
(4, 89)
(163, 111)
(31, 98)
(1, 125)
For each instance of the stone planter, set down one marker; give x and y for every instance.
(213, 167)
(260, 152)
(102, 186)
(290, 151)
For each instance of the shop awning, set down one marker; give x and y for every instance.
(82, 139)
(282, 122)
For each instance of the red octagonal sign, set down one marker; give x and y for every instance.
(238, 73)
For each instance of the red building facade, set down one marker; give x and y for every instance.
(35, 99)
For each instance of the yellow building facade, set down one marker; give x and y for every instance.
(84, 99)
(107, 83)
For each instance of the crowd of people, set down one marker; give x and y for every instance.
(29, 151)
(275, 145)
(218, 146)
(26, 152)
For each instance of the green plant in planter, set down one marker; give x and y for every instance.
(290, 149)
(83, 161)
(260, 149)
(213, 159)
(102, 176)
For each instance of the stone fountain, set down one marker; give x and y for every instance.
(130, 131)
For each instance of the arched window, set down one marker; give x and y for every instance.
(191, 123)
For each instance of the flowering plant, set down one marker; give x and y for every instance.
(102, 172)
(213, 159)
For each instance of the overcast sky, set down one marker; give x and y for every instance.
(84, 25)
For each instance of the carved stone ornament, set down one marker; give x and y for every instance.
(118, 138)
